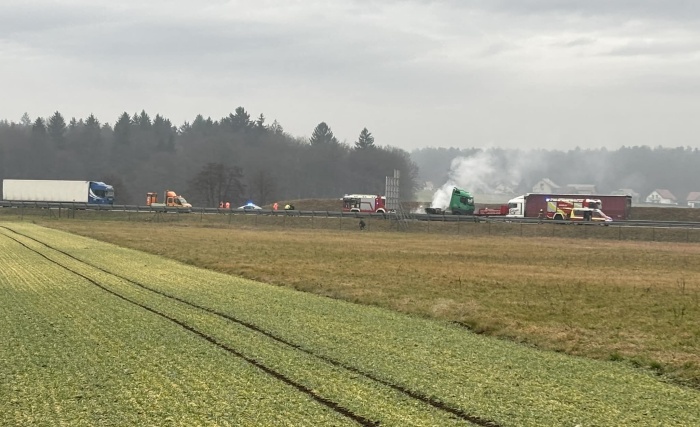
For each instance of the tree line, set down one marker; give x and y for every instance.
(235, 158)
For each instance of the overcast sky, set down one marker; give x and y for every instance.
(454, 73)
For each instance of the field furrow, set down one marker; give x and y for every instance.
(82, 357)
(336, 383)
(381, 365)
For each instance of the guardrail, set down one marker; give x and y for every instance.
(66, 206)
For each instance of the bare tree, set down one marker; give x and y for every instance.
(216, 182)
(262, 186)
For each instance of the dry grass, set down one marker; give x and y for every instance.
(633, 301)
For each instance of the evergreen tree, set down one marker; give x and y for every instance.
(25, 120)
(240, 120)
(164, 133)
(122, 130)
(92, 122)
(366, 140)
(276, 128)
(39, 129)
(260, 122)
(92, 131)
(57, 129)
(144, 121)
(323, 135)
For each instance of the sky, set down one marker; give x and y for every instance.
(529, 74)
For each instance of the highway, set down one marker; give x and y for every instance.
(405, 216)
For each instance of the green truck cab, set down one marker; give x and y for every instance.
(461, 203)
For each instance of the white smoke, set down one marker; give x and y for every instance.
(474, 174)
(483, 172)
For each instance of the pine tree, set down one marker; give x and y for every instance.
(240, 120)
(260, 122)
(122, 130)
(276, 128)
(25, 120)
(144, 121)
(57, 129)
(366, 140)
(323, 135)
(39, 130)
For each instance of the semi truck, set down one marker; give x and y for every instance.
(617, 207)
(462, 203)
(170, 200)
(36, 190)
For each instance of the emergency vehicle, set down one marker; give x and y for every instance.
(575, 209)
(587, 214)
(364, 203)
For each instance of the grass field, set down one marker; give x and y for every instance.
(637, 302)
(99, 334)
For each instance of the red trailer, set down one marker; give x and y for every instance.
(528, 206)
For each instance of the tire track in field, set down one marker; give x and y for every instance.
(408, 392)
(277, 375)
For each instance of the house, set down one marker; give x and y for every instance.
(627, 192)
(662, 197)
(546, 185)
(581, 189)
(693, 199)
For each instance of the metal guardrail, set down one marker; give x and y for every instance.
(336, 214)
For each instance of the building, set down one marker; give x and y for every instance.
(546, 185)
(661, 197)
(693, 199)
(581, 189)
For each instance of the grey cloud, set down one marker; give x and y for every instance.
(628, 9)
(580, 41)
(653, 48)
(516, 72)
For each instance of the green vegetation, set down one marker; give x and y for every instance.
(101, 334)
(634, 301)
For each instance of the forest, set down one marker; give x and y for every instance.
(240, 159)
(235, 158)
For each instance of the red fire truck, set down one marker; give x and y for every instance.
(364, 203)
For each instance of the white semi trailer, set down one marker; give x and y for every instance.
(35, 190)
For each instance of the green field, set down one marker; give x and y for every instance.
(98, 334)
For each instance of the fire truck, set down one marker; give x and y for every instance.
(364, 203)
(575, 209)
(530, 205)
